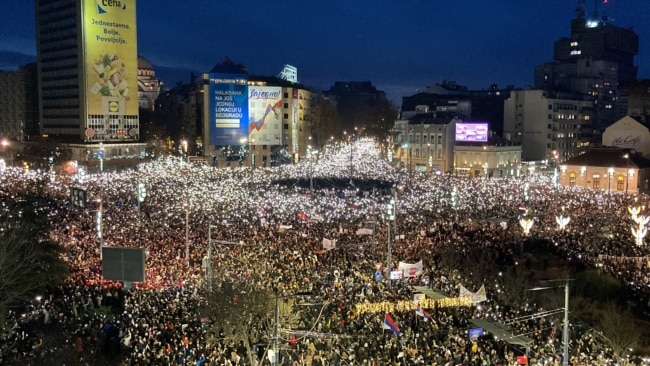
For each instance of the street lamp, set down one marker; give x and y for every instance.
(627, 171)
(610, 171)
(565, 329)
(276, 316)
(186, 205)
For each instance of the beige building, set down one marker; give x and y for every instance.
(424, 143)
(628, 133)
(489, 160)
(609, 169)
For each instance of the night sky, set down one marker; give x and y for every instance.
(400, 46)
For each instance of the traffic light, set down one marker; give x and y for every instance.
(142, 192)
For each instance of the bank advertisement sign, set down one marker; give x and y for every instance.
(228, 109)
(111, 57)
(265, 115)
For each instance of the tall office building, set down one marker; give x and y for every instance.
(597, 61)
(87, 70)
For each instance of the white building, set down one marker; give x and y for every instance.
(628, 133)
(544, 123)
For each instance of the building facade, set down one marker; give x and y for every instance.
(425, 143)
(543, 122)
(148, 84)
(87, 70)
(597, 61)
(493, 159)
(19, 104)
(607, 169)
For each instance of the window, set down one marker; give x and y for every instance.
(286, 116)
(572, 179)
(550, 107)
(286, 105)
(620, 183)
(550, 116)
(596, 181)
(286, 95)
(286, 126)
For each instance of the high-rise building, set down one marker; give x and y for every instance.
(87, 70)
(596, 60)
(19, 103)
(547, 125)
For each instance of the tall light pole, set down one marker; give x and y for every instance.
(276, 317)
(610, 171)
(627, 171)
(99, 223)
(187, 231)
(565, 326)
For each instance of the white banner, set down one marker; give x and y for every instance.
(364, 231)
(329, 244)
(477, 297)
(410, 270)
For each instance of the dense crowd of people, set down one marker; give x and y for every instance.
(279, 230)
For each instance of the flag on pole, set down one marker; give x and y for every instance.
(389, 323)
(420, 312)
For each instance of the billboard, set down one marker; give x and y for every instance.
(265, 115)
(228, 113)
(471, 132)
(110, 57)
(123, 264)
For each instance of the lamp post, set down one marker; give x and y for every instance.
(627, 171)
(208, 265)
(186, 205)
(99, 223)
(565, 327)
(276, 322)
(610, 171)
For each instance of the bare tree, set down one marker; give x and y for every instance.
(243, 316)
(619, 331)
(30, 262)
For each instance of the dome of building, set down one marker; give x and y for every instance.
(144, 64)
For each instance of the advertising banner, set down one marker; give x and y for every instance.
(228, 112)
(111, 57)
(265, 115)
(471, 132)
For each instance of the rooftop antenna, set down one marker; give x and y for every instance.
(580, 9)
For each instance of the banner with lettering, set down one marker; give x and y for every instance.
(410, 269)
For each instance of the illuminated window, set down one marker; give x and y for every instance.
(572, 179)
(620, 183)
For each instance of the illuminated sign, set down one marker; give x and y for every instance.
(110, 57)
(228, 114)
(265, 115)
(472, 132)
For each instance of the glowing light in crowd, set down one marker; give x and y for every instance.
(562, 221)
(641, 230)
(526, 224)
(634, 211)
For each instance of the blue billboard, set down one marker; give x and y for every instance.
(228, 109)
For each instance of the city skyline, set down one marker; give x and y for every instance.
(399, 47)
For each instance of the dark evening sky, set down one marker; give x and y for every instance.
(399, 46)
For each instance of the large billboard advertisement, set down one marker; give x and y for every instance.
(471, 132)
(265, 115)
(111, 57)
(228, 115)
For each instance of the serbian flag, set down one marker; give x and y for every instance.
(389, 323)
(303, 216)
(420, 312)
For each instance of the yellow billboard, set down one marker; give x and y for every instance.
(111, 57)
